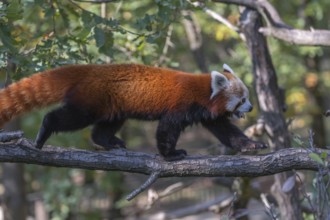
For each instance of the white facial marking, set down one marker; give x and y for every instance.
(232, 103)
(226, 67)
(245, 107)
(238, 95)
(218, 83)
(239, 105)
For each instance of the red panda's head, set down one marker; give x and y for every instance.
(229, 93)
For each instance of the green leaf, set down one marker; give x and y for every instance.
(88, 19)
(7, 40)
(107, 48)
(150, 39)
(298, 140)
(99, 36)
(14, 10)
(316, 158)
(324, 155)
(83, 34)
(65, 17)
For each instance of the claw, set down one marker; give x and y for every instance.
(237, 115)
(253, 145)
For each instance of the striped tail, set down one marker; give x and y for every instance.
(36, 91)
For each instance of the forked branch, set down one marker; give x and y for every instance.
(22, 151)
(279, 29)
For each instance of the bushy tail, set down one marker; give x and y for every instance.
(36, 91)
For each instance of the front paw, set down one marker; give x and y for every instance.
(175, 155)
(116, 143)
(251, 145)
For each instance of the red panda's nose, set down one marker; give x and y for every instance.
(250, 109)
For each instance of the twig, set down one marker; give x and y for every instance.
(154, 196)
(202, 207)
(305, 195)
(167, 45)
(311, 139)
(230, 212)
(269, 208)
(215, 15)
(152, 178)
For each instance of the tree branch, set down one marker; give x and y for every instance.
(137, 162)
(153, 177)
(8, 136)
(263, 7)
(215, 16)
(299, 37)
(280, 30)
(199, 208)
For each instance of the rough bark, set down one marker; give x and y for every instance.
(144, 163)
(268, 94)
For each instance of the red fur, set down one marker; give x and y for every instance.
(109, 90)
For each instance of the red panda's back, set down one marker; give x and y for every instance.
(135, 89)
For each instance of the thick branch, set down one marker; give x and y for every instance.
(137, 162)
(280, 30)
(299, 37)
(263, 6)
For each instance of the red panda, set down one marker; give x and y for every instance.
(107, 95)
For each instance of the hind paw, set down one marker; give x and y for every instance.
(113, 143)
(176, 155)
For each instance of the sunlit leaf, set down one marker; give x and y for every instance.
(324, 155)
(84, 33)
(316, 158)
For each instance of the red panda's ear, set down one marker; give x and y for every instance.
(218, 83)
(227, 68)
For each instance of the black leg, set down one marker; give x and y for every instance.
(230, 135)
(167, 136)
(103, 134)
(65, 118)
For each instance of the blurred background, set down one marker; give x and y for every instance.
(41, 34)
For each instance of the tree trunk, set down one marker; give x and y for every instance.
(13, 181)
(13, 176)
(268, 94)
